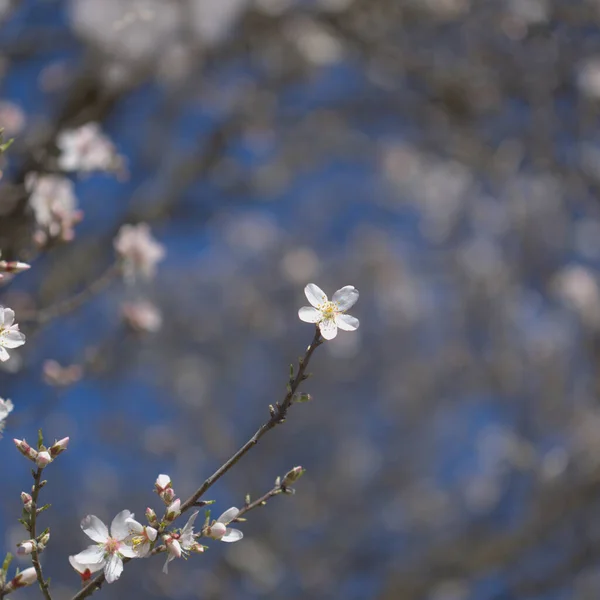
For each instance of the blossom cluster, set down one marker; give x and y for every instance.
(128, 538)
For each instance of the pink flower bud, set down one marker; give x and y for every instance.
(27, 501)
(151, 516)
(162, 483)
(168, 495)
(217, 530)
(13, 266)
(59, 447)
(43, 459)
(25, 449)
(26, 547)
(23, 579)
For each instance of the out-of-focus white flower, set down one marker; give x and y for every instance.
(138, 250)
(22, 579)
(10, 336)
(56, 375)
(109, 550)
(85, 570)
(140, 537)
(12, 118)
(86, 149)
(219, 530)
(142, 316)
(54, 206)
(6, 407)
(330, 314)
(181, 543)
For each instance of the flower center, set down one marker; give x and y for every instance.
(111, 545)
(329, 309)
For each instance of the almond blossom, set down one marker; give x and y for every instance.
(54, 206)
(138, 250)
(181, 543)
(110, 549)
(219, 530)
(86, 149)
(330, 314)
(10, 336)
(6, 407)
(140, 537)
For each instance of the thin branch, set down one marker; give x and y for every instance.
(35, 557)
(278, 416)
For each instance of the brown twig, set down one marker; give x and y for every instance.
(31, 528)
(278, 416)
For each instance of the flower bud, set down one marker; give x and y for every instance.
(43, 541)
(43, 459)
(22, 579)
(25, 449)
(173, 510)
(302, 397)
(151, 516)
(13, 266)
(292, 476)
(27, 501)
(217, 530)
(26, 547)
(168, 495)
(59, 447)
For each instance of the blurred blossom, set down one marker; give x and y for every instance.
(588, 77)
(12, 118)
(450, 590)
(587, 237)
(253, 233)
(214, 19)
(87, 149)
(553, 464)
(482, 492)
(56, 375)
(54, 206)
(577, 286)
(142, 316)
(260, 563)
(529, 12)
(139, 251)
(299, 264)
(315, 43)
(6, 407)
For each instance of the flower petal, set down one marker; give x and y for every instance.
(94, 528)
(9, 317)
(328, 329)
(92, 555)
(83, 567)
(134, 526)
(308, 314)
(151, 533)
(346, 322)
(346, 297)
(119, 528)
(170, 557)
(228, 515)
(4, 355)
(127, 551)
(315, 295)
(12, 338)
(113, 568)
(232, 535)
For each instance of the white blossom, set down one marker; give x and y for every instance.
(86, 149)
(138, 250)
(6, 407)
(54, 206)
(22, 579)
(219, 530)
(181, 543)
(10, 336)
(109, 549)
(330, 314)
(140, 537)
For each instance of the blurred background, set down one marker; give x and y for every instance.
(443, 156)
